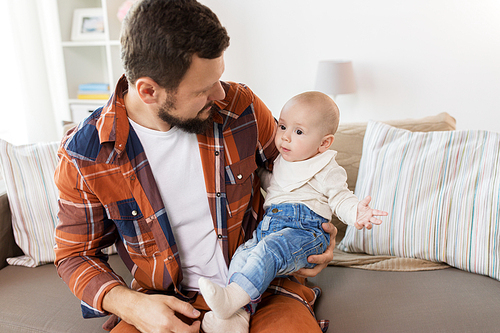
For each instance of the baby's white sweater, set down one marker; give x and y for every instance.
(319, 183)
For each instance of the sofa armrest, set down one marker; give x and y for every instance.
(8, 246)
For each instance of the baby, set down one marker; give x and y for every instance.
(306, 187)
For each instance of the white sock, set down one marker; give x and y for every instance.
(224, 302)
(237, 323)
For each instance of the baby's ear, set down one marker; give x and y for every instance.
(326, 142)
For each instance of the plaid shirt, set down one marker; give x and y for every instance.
(108, 194)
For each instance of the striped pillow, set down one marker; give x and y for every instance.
(442, 192)
(29, 175)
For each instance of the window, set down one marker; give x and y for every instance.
(13, 124)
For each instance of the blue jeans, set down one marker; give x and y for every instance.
(286, 236)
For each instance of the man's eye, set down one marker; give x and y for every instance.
(299, 132)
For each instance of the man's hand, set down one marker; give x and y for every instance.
(366, 215)
(321, 260)
(150, 313)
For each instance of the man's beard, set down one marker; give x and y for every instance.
(194, 125)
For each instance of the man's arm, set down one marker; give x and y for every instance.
(267, 126)
(83, 231)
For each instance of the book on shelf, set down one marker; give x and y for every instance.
(93, 95)
(93, 87)
(93, 91)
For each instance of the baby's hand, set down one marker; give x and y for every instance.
(366, 215)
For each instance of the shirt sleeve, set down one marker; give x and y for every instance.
(266, 126)
(341, 200)
(265, 178)
(81, 235)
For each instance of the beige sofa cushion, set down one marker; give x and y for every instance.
(349, 145)
(37, 300)
(445, 300)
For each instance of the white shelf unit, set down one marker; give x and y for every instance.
(78, 62)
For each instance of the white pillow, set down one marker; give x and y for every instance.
(29, 176)
(442, 193)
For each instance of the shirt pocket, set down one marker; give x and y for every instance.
(239, 179)
(133, 228)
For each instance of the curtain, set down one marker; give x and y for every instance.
(26, 111)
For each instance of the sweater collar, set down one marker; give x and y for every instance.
(292, 175)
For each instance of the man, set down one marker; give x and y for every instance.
(167, 171)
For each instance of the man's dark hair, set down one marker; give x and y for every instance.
(159, 38)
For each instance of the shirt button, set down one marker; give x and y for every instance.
(218, 194)
(170, 258)
(217, 153)
(134, 213)
(132, 177)
(239, 176)
(275, 210)
(219, 236)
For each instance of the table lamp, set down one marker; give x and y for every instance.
(335, 78)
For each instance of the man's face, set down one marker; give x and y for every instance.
(191, 107)
(197, 125)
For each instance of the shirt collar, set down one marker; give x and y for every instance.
(113, 125)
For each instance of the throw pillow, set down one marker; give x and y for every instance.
(442, 193)
(29, 176)
(349, 145)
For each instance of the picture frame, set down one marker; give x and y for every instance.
(88, 24)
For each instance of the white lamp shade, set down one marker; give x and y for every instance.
(335, 77)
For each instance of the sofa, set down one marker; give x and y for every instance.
(360, 291)
(36, 299)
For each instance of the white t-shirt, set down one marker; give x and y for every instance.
(174, 157)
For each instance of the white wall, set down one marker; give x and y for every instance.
(411, 58)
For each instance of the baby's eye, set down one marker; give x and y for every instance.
(282, 127)
(299, 132)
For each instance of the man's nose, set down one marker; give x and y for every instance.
(218, 93)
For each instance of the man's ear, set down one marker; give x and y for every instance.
(148, 90)
(326, 142)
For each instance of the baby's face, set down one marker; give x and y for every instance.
(299, 134)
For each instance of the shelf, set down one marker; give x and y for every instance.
(84, 61)
(90, 43)
(96, 102)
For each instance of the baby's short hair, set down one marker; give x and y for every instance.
(324, 106)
